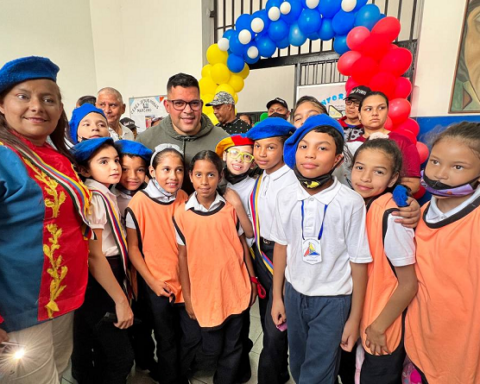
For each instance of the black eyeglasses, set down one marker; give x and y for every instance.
(180, 105)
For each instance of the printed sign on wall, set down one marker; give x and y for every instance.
(330, 95)
(145, 109)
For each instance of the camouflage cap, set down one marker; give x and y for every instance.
(221, 98)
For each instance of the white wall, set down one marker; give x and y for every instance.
(57, 29)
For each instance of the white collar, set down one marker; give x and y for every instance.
(278, 173)
(325, 197)
(193, 203)
(435, 214)
(156, 194)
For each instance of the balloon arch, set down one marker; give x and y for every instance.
(362, 36)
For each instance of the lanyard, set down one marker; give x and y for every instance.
(323, 220)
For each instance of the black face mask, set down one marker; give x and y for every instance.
(438, 188)
(316, 182)
(234, 179)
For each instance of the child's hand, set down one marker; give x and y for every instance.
(189, 309)
(254, 294)
(232, 197)
(350, 335)
(3, 336)
(124, 315)
(376, 341)
(278, 312)
(160, 288)
(408, 216)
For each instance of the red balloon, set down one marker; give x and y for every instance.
(420, 193)
(408, 134)
(384, 82)
(422, 151)
(364, 69)
(346, 61)
(399, 110)
(403, 88)
(388, 27)
(410, 125)
(389, 125)
(356, 37)
(350, 84)
(375, 46)
(396, 61)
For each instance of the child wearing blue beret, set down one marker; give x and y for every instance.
(321, 249)
(269, 136)
(87, 122)
(102, 351)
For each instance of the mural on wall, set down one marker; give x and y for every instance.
(466, 88)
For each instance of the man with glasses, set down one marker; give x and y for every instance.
(350, 122)
(224, 110)
(185, 124)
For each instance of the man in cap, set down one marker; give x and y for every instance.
(130, 124)
(351, 124)
(224, 109)
(278, 108)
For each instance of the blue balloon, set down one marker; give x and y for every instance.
(262, 14)
(328, 8)
(273, 3)
(266, 47)
(295, 11)
(367, 16)
(247, 59)
(243, 22)
(340, 44)
(309, 21)
(343, 22)
(326, 31)
(382, 15)
(250, 61)
(296, 36)
(236, 47)
(360, 4)
(235, 63)
(314, 36)
(278, 30)
(283, 43)
(227, 34)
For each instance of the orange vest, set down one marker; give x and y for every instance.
(442, 329)
(157, 239)
(219, 280)
(382, 282)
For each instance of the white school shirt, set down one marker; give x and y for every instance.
(127, 134)
(122, 201)
(344, 237)
(435, 215)
(98, 217)
(267, 195)
(399, 243)
(192, 203)
(244, 189)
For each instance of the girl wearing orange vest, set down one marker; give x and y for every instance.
(215, 267)
(391, 276)
(442, 328)
(153, 251)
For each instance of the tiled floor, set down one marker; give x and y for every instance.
(256, 335)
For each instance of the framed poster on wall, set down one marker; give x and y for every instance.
(144, 109)
(330, 95)
(466, 86)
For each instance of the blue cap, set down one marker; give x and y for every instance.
(77, 116)
(290, 146)
(270, 127)
(83, 151)
(129, 147)
(27, 68)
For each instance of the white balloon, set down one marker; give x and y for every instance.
(224, 44)
(285, 8)
(257, 25)
(274, 14)
(312, 4)
(349, 5)
(244, 36)
(252, 52)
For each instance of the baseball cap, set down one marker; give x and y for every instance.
(221, 98)
(277, 100)
(358, 93)
(129, 123)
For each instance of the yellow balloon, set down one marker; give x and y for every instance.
(245, 71)
(220, 73)
(206, 70)
(207, 85)
(225, 88)
(207, 97)
(213, 118)
(236, 82)
(235, 98)
(207, 110)
(216, 55)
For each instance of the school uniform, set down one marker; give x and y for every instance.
(102, 352)
(324, 233)
(392, 245)
(442, 327)
(219, 281)
(150, 213)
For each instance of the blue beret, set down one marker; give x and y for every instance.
(290, 146)
(27, 68)
(129, 147)
(83, 151)
(77, 115)
(270, 127)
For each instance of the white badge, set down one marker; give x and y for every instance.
(312, 252)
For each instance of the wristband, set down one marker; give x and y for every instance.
(262, 293)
